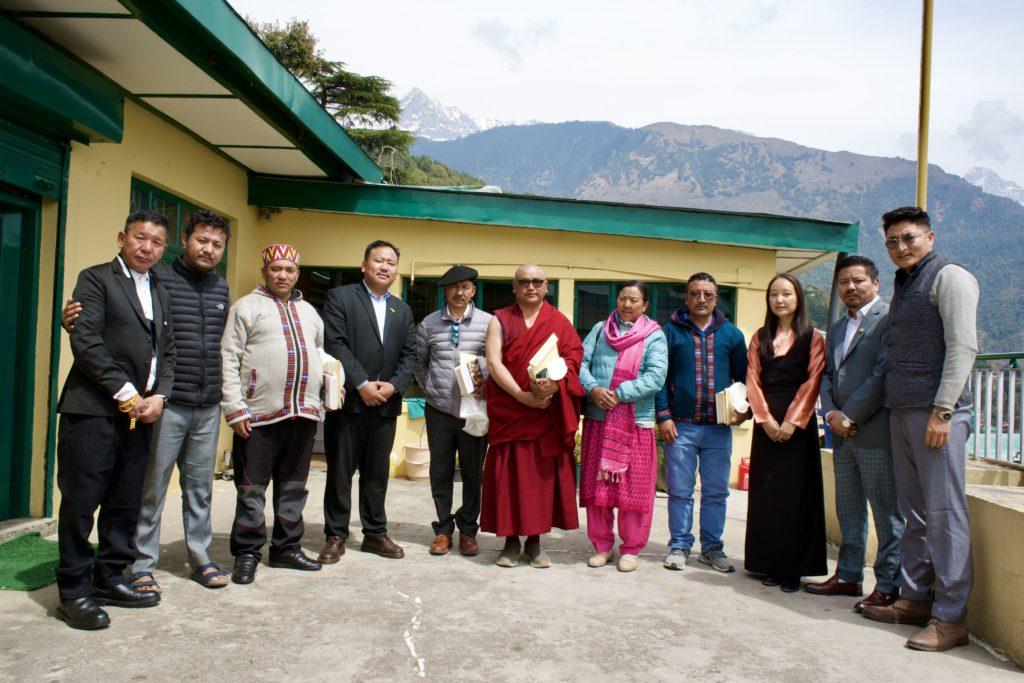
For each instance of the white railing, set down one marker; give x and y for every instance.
(998, 432)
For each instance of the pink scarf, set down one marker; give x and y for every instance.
(620, 432)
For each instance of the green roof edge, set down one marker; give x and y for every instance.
(695, 225)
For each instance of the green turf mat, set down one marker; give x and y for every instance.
(27, 563)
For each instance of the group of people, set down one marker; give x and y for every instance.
(160, 352)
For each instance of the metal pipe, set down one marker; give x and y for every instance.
(999, 416)
(924, 103)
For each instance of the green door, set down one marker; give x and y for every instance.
(17, 337)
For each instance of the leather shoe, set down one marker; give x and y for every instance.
(902, 611)
(83, 613)
(333, 551)
(468, 545)
(834, 586)
(123, 595)
(939, 635)
(293, 558)
(876, 599)
(441, 545)
(383, 546)
(245, 568)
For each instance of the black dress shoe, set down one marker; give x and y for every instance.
(770, 580)
(245, 568)
(123, 595)
(83, 613)
(789, 584)
(293, 558)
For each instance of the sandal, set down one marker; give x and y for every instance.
(209, 575)
(144, 581)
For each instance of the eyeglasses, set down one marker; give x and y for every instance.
(710, 296)
(455, 334)
(537, 284)
(908, 240)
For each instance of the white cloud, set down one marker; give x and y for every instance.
(510, 42)
(990, 130)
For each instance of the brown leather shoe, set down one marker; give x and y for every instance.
(333, 551)
(902, 611)
(468, 545)
(876, 599)
(939, 635)
(383, 546)
(441, 545)
(834, 586)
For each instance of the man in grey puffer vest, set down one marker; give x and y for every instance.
(186, 433)
(457, 328)
(931, 346)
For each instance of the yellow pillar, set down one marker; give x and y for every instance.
(924, 104)
(567, 297)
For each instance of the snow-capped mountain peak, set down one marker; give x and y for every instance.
(991, 182)
(425, 117)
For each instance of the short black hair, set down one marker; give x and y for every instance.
(209, 219)
(858, 260)
(914, 214)
(377, 244)
(707, 277)
(146, 216)
(645, 292)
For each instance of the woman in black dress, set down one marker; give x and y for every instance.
(786, 509)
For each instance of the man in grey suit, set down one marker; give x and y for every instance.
(373, 334)
(852, 390)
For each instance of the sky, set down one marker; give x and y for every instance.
(833, 74)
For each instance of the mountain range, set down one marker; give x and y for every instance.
(427, 118)
(671, 164)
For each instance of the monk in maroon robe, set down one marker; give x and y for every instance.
(530, 470)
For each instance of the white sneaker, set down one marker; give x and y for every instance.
(600, 559)
(627, 563)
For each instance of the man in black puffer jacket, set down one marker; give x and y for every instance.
(186, 433)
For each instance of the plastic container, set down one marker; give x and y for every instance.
(743, 479)
(417, 462)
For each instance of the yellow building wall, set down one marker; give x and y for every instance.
(430, 247)
(99, 184)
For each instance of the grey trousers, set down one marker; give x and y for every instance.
(936, 547)
(185, 436)
(865, 475)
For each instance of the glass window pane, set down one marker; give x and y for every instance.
(497, 294)
(422, 298)
(137, 200)
(668, 296)
(727, 301)
(593, 303)
(172, 211)
(314, 283)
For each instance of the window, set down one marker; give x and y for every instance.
(177, 211)
(314, 283)
(595, 300)
(424, 296)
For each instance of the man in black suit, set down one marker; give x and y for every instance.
(124, 352)
(374, 336)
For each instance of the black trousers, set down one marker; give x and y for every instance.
(354, 441)
(445, 437)
(100, 464)
(278, 451)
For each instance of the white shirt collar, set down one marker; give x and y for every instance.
(383, 297)
(132, 273)
(863, 310)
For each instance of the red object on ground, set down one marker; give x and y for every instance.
(743, 480)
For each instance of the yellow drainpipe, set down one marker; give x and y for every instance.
(923, 105)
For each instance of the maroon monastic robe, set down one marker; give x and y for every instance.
(530, 470)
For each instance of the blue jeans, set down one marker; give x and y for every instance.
(710, 448)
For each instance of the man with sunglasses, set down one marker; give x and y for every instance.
(529, 474)
(930, 350)
(457, 329)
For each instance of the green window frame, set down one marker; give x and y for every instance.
(666, 297)
(176, 209)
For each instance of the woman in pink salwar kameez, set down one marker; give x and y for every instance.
(625, 359)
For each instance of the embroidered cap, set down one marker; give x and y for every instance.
(280, 252)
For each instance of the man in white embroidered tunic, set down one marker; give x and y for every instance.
(272, 355)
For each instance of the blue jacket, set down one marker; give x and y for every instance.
(599, 362)
(678, 398)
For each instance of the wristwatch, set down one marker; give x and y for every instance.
(943, 414)
(846, 422)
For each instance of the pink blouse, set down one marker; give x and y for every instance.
(802, 407)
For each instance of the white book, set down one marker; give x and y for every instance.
(546, 363)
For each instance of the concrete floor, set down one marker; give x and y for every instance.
(466, 619)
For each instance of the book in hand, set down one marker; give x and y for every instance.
(730, 402)
(334, 384)
(469, 373)
(546, 363)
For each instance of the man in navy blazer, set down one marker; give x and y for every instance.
(852, 390)
(373, 334)
(123, 346)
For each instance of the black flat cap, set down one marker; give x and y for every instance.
(457, 274)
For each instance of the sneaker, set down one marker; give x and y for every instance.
(718, 560)
(676, 559)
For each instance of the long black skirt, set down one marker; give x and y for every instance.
(786, 505)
